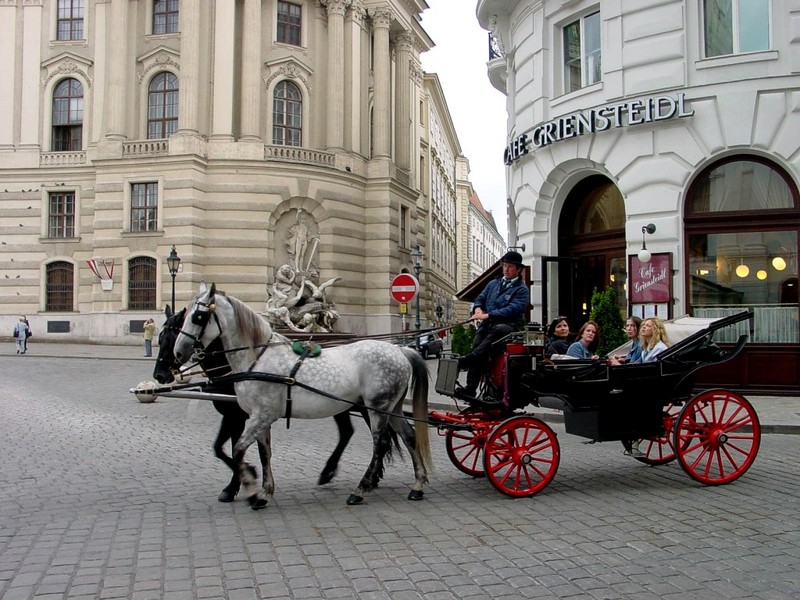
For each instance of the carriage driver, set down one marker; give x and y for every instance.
(498, 310)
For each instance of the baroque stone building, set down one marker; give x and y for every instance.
(128, 128)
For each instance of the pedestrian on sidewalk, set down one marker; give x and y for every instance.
(149, 334)
(21, 332)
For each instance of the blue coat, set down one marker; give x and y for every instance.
(504, 306)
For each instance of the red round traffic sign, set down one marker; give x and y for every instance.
(404, 287)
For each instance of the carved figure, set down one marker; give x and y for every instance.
(297, 240)
(290, 305)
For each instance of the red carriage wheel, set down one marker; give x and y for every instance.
(717, 436)
(521, 456)
(658, 450)
(465, 449)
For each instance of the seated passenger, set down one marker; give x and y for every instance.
(634, 355)
(558, 337)
(587, 342)
(654, 339)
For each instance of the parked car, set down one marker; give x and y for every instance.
(429, 345)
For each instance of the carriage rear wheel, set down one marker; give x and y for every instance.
(658, 450)
(521, 456)
(717, 436)
(465, 449)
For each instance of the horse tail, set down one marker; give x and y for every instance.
(419, 385)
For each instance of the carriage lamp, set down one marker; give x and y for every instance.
(173, 263)
(534, 334)
(644, 253)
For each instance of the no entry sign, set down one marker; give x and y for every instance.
(404, 287)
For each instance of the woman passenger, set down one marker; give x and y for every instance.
(654, 339)
(557, 337)
(634, 355)
(587, 342)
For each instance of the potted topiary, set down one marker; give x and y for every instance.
(606, 313)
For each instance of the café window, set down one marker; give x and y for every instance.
(742, 230)
(582, 53)
(736, 26)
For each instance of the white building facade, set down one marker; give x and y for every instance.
(681, 114)
(131, 127)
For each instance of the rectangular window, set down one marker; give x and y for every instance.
(403, 226)
(166, 16)
(289, 22)
(582, 53)
(736, 26)
(61, 216)
(69, 20)
(144, 207)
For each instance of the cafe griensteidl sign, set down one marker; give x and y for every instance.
(624, 114)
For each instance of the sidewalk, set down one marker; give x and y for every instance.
(777, 414)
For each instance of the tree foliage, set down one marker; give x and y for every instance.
(462, 340)
(606, 313)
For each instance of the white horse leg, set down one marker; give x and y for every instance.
(267, 490)
(257, 429)
(406, 433)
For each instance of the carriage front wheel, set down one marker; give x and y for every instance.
(465, 449)
(521, 456)
(658, 450)
(717, 436)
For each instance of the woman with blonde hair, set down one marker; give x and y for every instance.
(654, 338)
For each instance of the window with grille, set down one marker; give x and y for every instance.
(144, 207)
(166, 15)
(162, 106)
(736, 26)
(289, 22)
(67, 116)
(287, 115)
(69, 20)
(61, 215)
(142, 283)
(59, 286)
(582, 53)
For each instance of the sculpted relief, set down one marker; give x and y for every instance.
(296, 299)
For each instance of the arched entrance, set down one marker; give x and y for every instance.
(591, 235)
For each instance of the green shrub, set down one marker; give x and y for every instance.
(462, 340)
(606, 313)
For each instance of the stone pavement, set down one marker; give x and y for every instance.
(777, 414)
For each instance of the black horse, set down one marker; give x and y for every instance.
(214, 364)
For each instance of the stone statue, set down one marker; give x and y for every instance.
(297, 241)
(290, 304)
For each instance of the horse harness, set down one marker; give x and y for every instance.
(202, 318)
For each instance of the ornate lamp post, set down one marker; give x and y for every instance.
(173, 263)
(417, 256)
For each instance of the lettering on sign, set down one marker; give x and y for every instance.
(650, 282)
(626, 114)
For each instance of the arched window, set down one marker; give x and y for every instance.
(287, 115)
(59, 286)
(742, 224)
(67, 116)
(142, 283)
(162, 106)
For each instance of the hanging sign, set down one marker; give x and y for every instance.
(650, 282)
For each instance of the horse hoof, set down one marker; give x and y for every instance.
(227, 495)
(415, 495)
(325, 477)
(353, 500)
(257, 503)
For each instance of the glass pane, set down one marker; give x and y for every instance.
(602, 210)
(591, 47)
(753, 25)
(719, 27)
(753, 270)
(740, 185)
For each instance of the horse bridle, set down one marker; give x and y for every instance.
(202, 319)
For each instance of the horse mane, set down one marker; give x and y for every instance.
(255, 330)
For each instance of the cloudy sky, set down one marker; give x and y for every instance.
(477, 109)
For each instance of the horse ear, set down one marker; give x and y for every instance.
(167, 311)
(213, 290)
(203, 288)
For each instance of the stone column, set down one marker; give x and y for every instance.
(31, 67)
(335, 103)
(382, 66)
(404, 43)
(8, 50)
(117, 42)
(224, 66)
(251, 71)
(356, 76)
(188, 91)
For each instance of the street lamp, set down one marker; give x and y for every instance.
(417, 256)
(173, 262)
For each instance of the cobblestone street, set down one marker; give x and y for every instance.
(104, 497)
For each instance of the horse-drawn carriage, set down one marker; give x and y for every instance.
(714, 435)
(649, 407)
